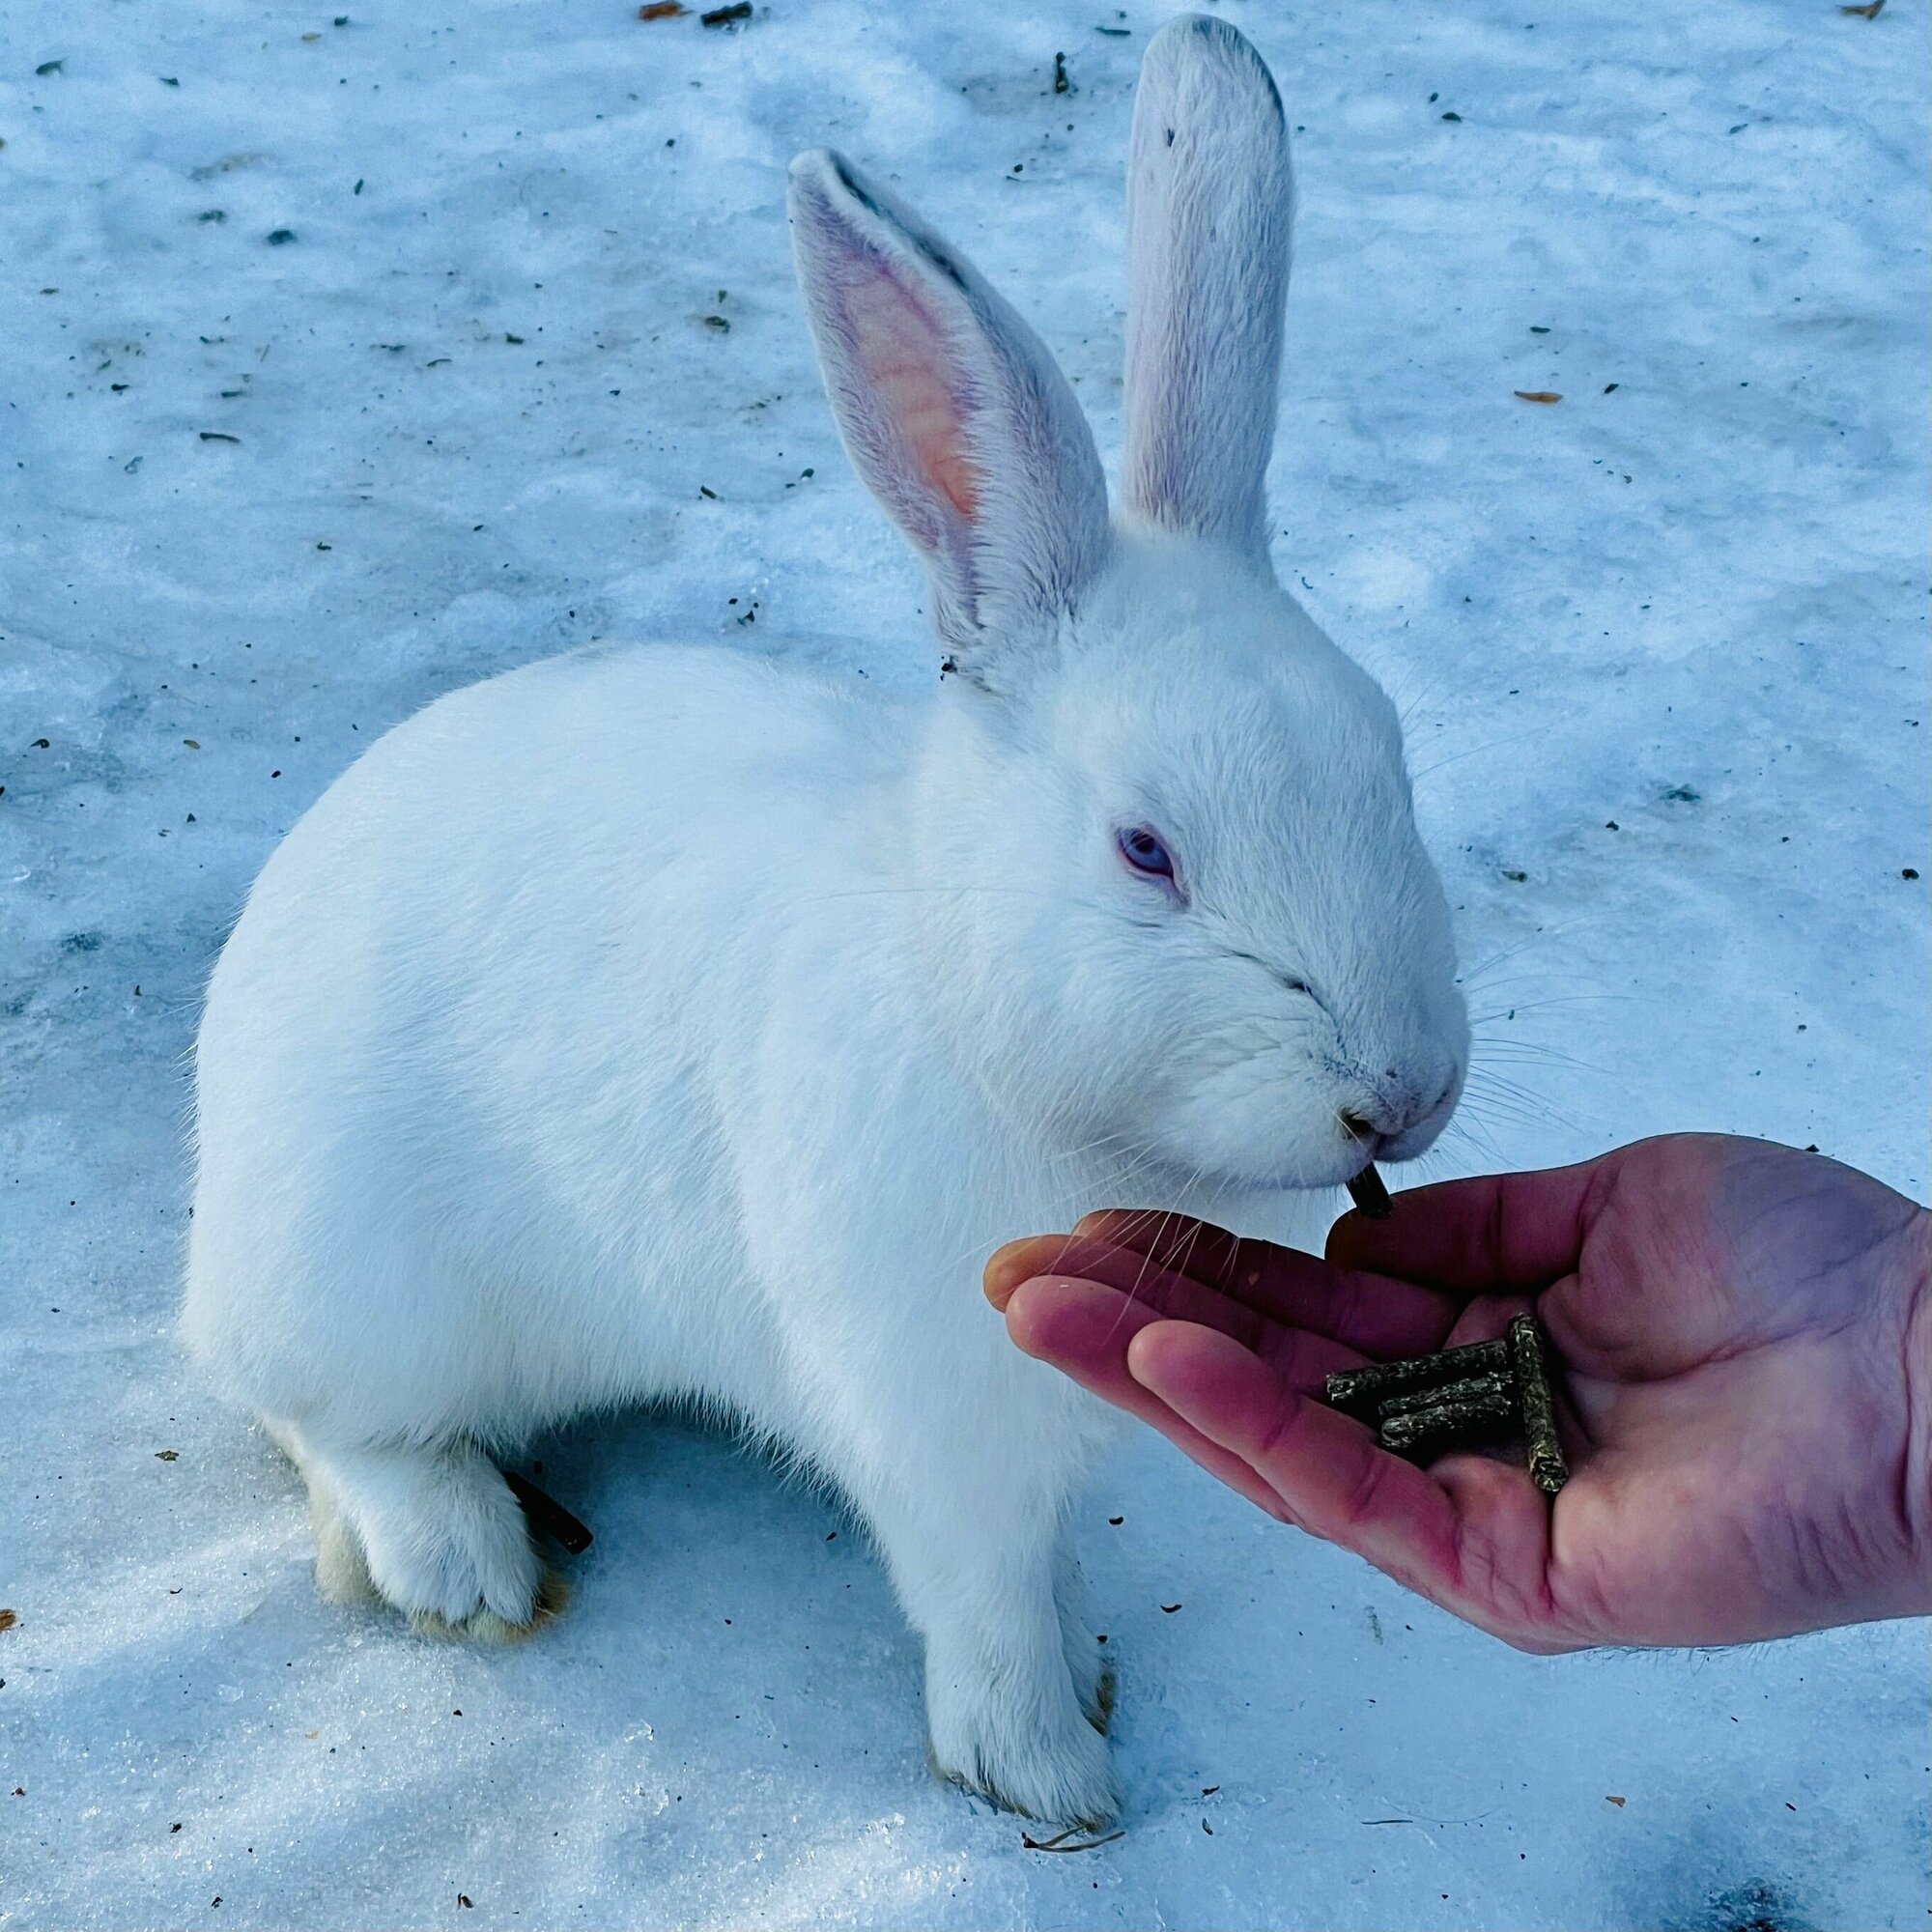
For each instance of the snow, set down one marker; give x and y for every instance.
(473, 401)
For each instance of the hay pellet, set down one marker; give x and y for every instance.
(1488, 1389)
(1424, 1432)
(1371, 1196)
(1361, 1392)
(1548, 1469)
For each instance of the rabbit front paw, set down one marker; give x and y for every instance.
(1039, 1754)
(438, 1536)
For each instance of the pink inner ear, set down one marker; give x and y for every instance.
(904, 355)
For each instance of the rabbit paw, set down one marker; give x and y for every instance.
(485, 1626)
(438, 1534)
(1046, 1763)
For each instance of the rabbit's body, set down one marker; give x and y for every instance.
(561, 1162)
(665, 1022)
(473, 1163)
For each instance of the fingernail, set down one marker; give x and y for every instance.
(1002, 1274)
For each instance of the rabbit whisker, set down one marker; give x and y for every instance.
(1475, 975)
(1477, 750)
(1539, 1006)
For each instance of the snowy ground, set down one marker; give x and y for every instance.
(347, 360)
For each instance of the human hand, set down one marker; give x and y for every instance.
(1744, 1340)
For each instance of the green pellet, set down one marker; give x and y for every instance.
(1548, 1469)
(1371, 1195)
(1361, 1392)
(1498, 1386)
(1423, 1432)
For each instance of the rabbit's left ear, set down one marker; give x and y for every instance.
(1210, 207)
(953, 414)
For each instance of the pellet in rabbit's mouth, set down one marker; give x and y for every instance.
(1369, 1195)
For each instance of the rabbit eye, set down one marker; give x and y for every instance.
(1143, 849)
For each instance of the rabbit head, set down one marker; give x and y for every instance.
(1177, 904)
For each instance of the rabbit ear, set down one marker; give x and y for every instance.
(951, 412)
(1210, 206)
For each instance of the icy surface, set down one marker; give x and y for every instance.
(262, 498)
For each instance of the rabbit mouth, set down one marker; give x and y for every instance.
(1333, 1157)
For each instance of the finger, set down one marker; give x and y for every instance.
(1378, 1315)
(1134, 1274)
(1302, 1356)
(1177, 1241)
(1064, 1254)
(1083, 1331)
(1326, 1469)
(1470, 1534)
(1496, 1232)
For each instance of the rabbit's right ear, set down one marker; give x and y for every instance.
(953, 414)
(1211, 209)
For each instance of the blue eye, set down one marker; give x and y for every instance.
(1143, 850)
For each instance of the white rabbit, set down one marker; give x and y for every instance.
(660, 1021)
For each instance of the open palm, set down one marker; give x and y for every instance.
(1743, 1332)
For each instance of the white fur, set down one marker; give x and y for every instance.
(661, 1022)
